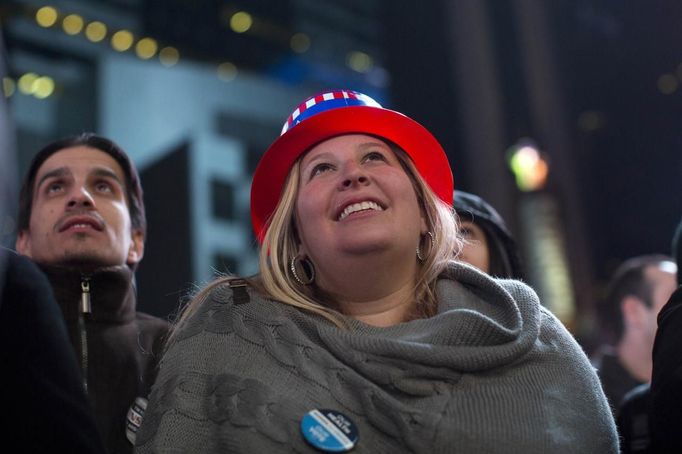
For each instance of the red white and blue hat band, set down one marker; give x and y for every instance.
(335, 113)
(326, 101)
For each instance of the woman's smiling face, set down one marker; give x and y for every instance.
(354, 197)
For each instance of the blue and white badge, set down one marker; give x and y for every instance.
(329, 431)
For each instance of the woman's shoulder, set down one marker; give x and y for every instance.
(482, 283)
(230, 289)
(506, 291)
(214, 303)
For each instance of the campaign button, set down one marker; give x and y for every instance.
(329, 431)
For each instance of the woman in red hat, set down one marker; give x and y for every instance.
(361, 330)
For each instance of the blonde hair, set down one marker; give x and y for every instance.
(280, 245)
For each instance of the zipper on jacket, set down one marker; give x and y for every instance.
(85, 310)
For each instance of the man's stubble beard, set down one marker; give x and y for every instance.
(85, 256)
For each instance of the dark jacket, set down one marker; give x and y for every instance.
(666, 379)
(505, 261)
(633, 421)
(41, 388)
(117, 348)
(615, 379)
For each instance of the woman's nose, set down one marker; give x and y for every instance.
(354, 175)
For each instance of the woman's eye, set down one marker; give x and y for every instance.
(320, 168)
(374, 156)
(466, 232)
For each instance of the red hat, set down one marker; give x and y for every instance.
(332, 114)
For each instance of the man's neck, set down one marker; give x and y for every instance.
(81, 266)
(635, 356)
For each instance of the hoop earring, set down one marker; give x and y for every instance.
(433, 243)
(303, 266)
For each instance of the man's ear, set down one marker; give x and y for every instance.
(634, 311)
(23, 243)
(136, 250)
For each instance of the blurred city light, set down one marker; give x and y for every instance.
(8, 86)
(146, 48)
(26, 83)
(72, 24)
(241, 22)
(667, 84)
(529, 166)
(31, 84)
(169, 56)
(299, 43)
(46, 16)
(359, 61)
(42, 87)
(227, 71)
(591, 120)
(122, 40)
(96, 31)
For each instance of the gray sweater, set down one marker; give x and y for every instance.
(492, 372)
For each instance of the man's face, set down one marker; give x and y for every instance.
(79, 213)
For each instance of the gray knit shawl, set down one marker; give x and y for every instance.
(492, 372)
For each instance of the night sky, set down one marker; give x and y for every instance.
(613, 54)
(627, 134)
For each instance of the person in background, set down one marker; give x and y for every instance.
(648, 427)
(81, 219)
(361, 331)
(488, 244)
(635, 294)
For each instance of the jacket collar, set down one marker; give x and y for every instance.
(112, 292)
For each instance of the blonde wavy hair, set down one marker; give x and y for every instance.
(280, 245)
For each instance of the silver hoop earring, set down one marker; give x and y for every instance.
(305, 267)
(433, 243)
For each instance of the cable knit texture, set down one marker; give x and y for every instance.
(492, 372)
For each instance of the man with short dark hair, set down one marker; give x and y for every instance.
(82, 220)
(636, 293)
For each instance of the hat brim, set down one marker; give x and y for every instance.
(420, 145)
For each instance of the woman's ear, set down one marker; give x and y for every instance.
(423, 217)
(302, 249)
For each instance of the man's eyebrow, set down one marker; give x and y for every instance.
(55, 173)
(107, 173)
